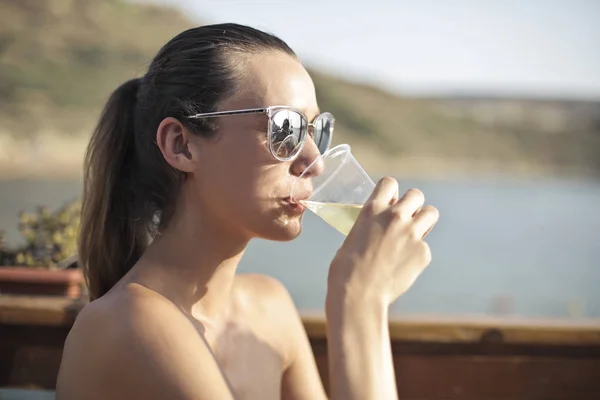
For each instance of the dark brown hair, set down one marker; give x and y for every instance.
(129, 189)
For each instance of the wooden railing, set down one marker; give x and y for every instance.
(435, 357)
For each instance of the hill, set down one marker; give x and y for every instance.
(60, 59)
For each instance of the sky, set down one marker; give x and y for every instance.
(530, 48)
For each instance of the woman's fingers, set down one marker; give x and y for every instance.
(384, 193)
(409, 204)
(425, 220)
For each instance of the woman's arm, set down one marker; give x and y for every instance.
(359, 349)
(380, 259)
(360, 361)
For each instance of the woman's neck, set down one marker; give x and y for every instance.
(193, 263)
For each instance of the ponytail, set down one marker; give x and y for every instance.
(111, 238)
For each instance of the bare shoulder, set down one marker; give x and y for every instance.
(279, 321)
(123, 315)
(135, 344)
(271, 311)
(260, 282)
(264, 292)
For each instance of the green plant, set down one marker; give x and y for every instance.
(50, 237)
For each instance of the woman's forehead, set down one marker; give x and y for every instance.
(276, 79)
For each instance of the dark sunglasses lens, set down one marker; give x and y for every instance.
(288, 132)
(323, 131)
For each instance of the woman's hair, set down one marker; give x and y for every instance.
(129, 189)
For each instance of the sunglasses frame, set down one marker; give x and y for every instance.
(270, 111)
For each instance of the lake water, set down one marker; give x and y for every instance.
(529, 248)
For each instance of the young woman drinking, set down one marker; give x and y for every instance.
(186, 166)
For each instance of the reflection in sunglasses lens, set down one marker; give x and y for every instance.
(286, 130)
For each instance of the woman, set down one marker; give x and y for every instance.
(182, 172)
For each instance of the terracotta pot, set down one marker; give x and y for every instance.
(39, 281)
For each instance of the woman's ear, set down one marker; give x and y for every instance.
(173, 140)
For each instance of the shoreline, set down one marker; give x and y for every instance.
(71, 170)
(52, 157)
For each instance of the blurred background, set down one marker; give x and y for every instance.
(491, 108)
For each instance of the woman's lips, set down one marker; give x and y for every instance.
(294, 205)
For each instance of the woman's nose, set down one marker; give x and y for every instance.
(308, 156)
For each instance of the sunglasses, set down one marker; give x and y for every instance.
(288, 129)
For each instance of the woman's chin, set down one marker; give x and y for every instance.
(284, 230)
